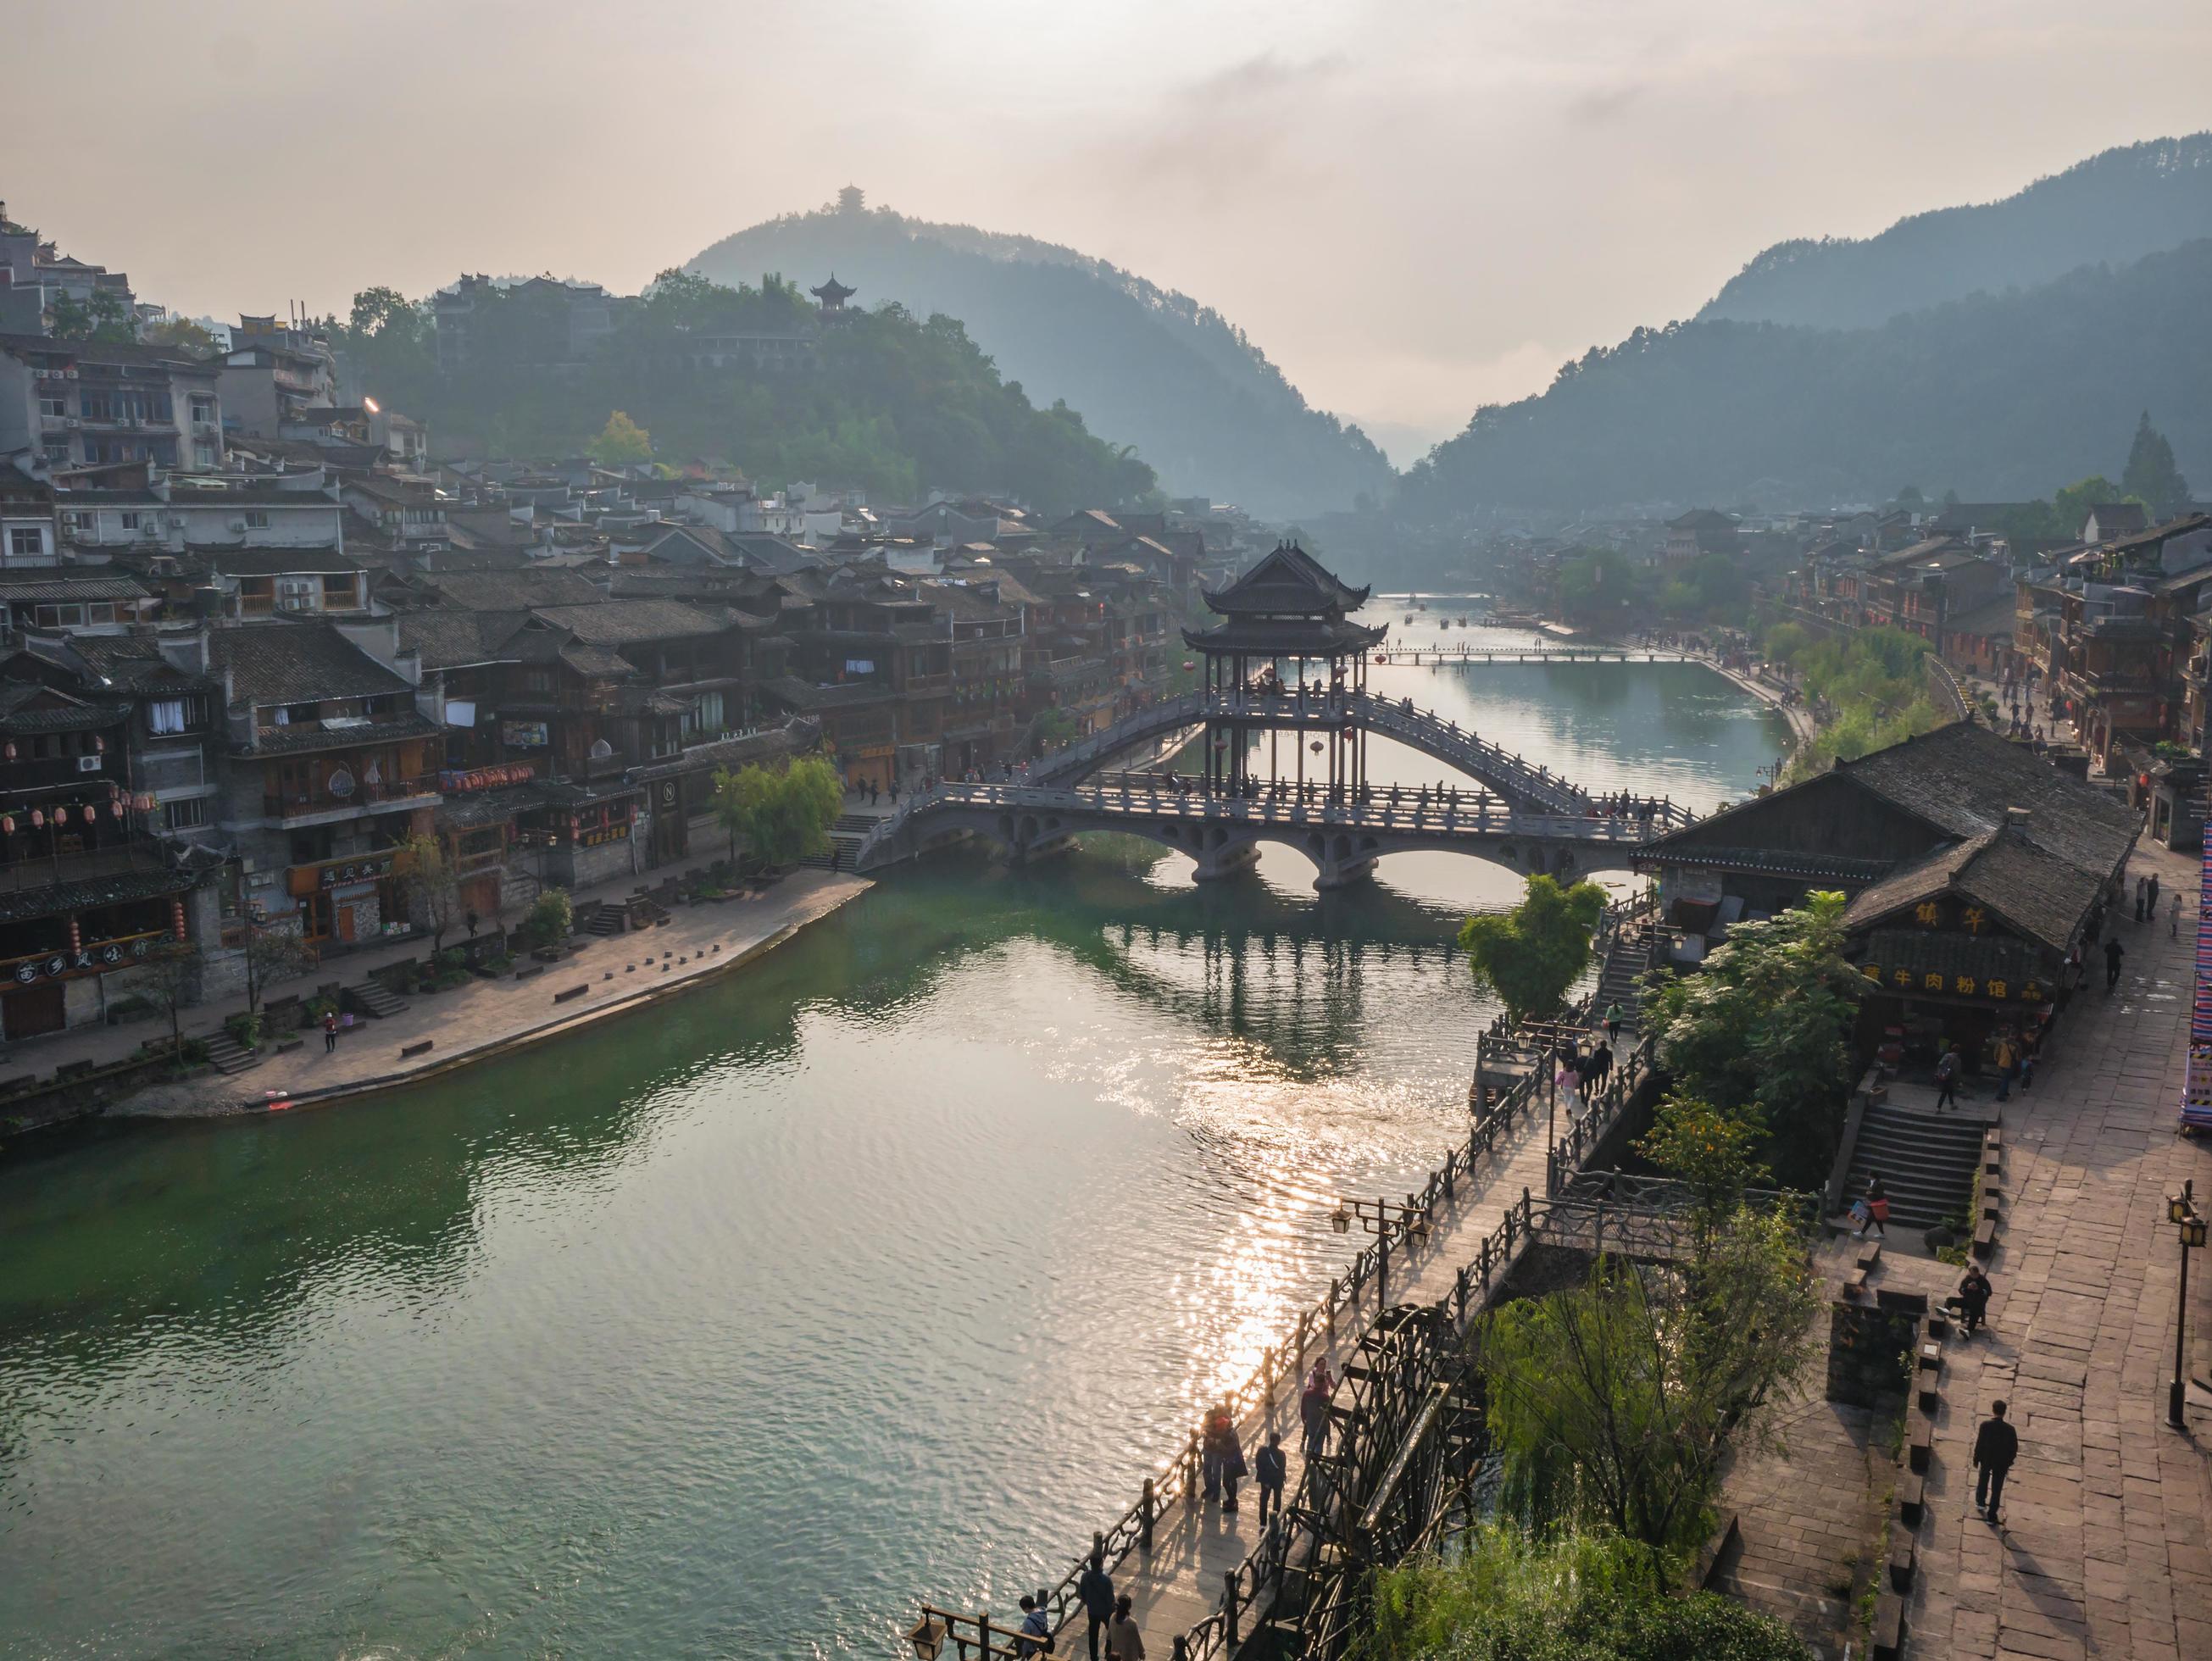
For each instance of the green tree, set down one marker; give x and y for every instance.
(550, 918)
(1610, 1404)
(620, 441)
(2070, 507)
(187, 337)
(431, 885)
(384, 311)
(1531, 956)
(1764, 1025)
(104, 318)
(2151, 475)
(272, 953)
(1496, 1594)
(1714, 1150)
(784, 813)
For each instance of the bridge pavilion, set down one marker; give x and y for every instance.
(1282, 660)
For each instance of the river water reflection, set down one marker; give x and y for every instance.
(884, 1268)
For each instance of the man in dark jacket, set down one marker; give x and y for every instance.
(1273, 1470)
(1095, 1591)
(1996, 1446)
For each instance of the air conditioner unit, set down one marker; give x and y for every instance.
(88, 764)
(69, 374)
(72, 423)
(238, 525)
(150, 529)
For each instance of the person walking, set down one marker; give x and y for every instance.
(472, 920)
(1946, 1078)
(2140, 886)
(1123, 1641)
(1601, 1065)
(1613, 1015)
(1974, 1298)
(2113, 952)
(2173, 920)
(1877, 1205)
(1222, 1456)
(1997, 1445)
(329, 1031)
(2150, 898)
(1272, 1472)
(1313, 1406)
(1095, 1591)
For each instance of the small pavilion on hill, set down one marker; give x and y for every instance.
(1286, 657)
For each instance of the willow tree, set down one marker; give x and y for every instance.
(1612, 1405)
(783, 813)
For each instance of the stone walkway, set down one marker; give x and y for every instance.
(477, 1020)
(2104, 1550)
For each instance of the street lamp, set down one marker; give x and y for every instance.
(2191, 1228)
(927, 1637)
(1375, 1216)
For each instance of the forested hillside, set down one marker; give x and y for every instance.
(2111, 209)
(897, 404)
(1202, 404)
(1993, 396)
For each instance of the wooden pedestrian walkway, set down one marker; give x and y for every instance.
(1197, 1547)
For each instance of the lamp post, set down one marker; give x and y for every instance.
(1374, 1216)
(2190, 1227)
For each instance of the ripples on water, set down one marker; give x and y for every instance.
(885, 1268)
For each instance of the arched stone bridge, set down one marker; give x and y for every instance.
(1524, 784)
(1223, 834)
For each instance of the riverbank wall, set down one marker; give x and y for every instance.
(601, 978)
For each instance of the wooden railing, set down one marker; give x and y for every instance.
(1282, 1364)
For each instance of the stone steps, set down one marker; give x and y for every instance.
(228, 1055)
(1927, 1163)
(366, 997)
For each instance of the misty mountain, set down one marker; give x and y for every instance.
(2111, 209)
(1147, 367)
(1998, 396)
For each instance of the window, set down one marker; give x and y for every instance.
(59, 617)
(53, 406)
(257, 518)
(203, 454)
(202, 409)
(166, 716)
(26, 542)
(79, 522)
(185, 815)
(131, 521)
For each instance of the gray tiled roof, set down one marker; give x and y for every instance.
(296, 662)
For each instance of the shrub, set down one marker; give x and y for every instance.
(247, 1028)
(550, 919)
(1500, 1597)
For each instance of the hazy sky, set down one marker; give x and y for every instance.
(1414, 207)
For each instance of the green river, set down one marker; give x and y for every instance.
(883, 1269)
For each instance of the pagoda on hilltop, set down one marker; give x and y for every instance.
(1286, 658)
(833, 294)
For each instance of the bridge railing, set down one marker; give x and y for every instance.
(1480, 817)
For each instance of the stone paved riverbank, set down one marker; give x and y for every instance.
(475, 1022)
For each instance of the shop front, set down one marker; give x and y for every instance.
(67, 983)
(351, 901)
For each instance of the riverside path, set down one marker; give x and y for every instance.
(2106, 1544)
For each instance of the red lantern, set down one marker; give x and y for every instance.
(99, 743)
(38, 819)
(11, 749)
(115, 808)
(7, 823)
(61, 816)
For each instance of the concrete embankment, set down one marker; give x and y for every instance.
(609, 976)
